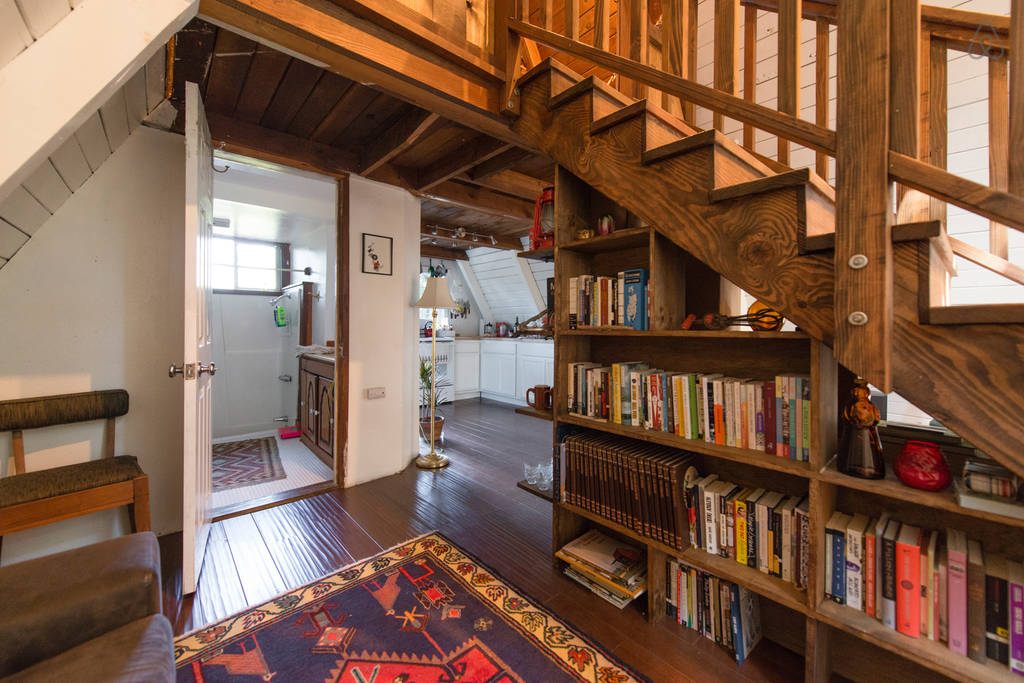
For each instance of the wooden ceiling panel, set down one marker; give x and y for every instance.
(265, 73)
(326, 94)
(296, 85)
(231, 57)
(192, 57)
(348, 108)
(435, 146)
(473, 221)
(376, 116)
(538, 167)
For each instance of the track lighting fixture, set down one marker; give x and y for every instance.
(460, 234)
(493, 241)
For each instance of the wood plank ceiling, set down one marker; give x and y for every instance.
(270, 104)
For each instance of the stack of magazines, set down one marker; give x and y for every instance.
(613, 570)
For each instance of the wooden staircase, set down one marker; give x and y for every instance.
(753, 225)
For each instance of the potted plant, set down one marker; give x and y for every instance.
(426, 396)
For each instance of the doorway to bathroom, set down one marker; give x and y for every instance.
(274, 258)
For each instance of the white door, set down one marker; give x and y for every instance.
(198, 369)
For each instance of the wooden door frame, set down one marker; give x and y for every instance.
(341, 345)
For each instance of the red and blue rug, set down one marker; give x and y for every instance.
(423, 612)
(244, 463)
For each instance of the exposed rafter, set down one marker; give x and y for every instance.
(399, 137)
(510, 182)
(460, 161)
(498, 163)
(432, 251)
(481, 199)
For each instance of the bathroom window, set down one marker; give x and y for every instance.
(244, 265)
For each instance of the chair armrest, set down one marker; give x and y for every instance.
(54, 603)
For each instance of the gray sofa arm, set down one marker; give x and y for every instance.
(53, 603)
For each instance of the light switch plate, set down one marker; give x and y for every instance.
(374, 392)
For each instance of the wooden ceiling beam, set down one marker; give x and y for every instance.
(446, 235)
(499, 163)
(399, 137)
(510, 182)
(481, 199)
(433, 251)
(459, 161)
(350, 46)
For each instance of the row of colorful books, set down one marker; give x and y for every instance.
(772, 416)
(937, 585)
(601, 301)
(765, 530)
(631, 483)
(720, 610)
(611, 569)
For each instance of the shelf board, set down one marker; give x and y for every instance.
(777, 590)
(533, 412)
(623, 331)
(542, 254)
(535, 490)
(743, 455)
(891, 487)
(620, 239)
(928, 653)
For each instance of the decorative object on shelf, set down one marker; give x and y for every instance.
(920, 465)
(542, 234)
(584, 234)
(539, 397)
(377, 251)
(436, 295)
(991, 479)
(762, 317)
(860, 448)
(605, 224)
(463, 308)
(759, 319)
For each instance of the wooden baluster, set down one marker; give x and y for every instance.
(863, 248)
(998, 147)
(727, 23)
(602, 19)
(675, 18)
(1015, 171)
(572, 19)
(933, 280)
(749, 68)
(689, 109)
(790, 16)
(546, 18)
(633, 22)
(523, 13)
(821, 88)
(904, 77)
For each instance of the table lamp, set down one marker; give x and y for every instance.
(435, 296)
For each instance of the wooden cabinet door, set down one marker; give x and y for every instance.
(307, 404)
(325, 414)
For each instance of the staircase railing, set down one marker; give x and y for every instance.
(891, 113)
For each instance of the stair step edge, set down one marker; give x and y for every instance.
(901, 232)
(548, 64)
(584, 86)
(797, 178)
(682, 146)
(611, 120)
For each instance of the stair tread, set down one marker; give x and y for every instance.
(702, 139)
(901, 232)
(795, 178)
(584, 86)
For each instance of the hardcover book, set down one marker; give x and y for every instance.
(1016, 584)
(835, 557)
(908, 581)
(855, 561)
(635, 298)
(997, 609)
(956, 593)
(888, 604)
(975, 601)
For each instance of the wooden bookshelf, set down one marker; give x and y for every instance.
(680, 285)
(533, 412)
(542, 254)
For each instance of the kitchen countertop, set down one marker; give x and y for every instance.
(520, 339)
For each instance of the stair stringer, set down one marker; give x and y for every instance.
(970, 377)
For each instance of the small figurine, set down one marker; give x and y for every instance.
(860, 448)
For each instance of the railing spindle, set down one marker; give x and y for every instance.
(546, 20)
(634, 42)
(727, 23)
(689, 108)
(675, 19)
(790, 16)
(998, 147)
(749, 68)
(572, 19)
(602, 19)
(1015, 176)
(821, 88)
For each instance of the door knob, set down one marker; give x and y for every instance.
(211, 369)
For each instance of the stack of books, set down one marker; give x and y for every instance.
(613, 570)
(990, 487)
(936, 585)
(722, 611)
(631, 483)
(764, 530)
(606, 301)
(772, 416)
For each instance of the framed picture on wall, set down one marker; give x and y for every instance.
(376, 254)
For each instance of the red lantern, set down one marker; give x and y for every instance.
(920, 465)
(542, 234)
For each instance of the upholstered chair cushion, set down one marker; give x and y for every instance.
(56, 481)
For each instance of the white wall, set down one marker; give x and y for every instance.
(94, 301)
(382, 334)
(468, 326)
(314, 245)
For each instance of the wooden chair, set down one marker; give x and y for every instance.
(30, 499)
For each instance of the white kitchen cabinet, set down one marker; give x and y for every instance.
(535, 364)
(498, 369)
(467, 369)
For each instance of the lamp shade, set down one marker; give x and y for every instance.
(436, 294)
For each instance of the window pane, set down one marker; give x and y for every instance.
(257, 255)
(255, 278)
(223, 277)
(223, 251)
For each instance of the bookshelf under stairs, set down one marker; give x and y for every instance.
(764, 231)
(834, 638)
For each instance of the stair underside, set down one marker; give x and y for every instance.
(969, 377)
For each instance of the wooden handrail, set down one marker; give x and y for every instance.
(987, 260)
(794, 129)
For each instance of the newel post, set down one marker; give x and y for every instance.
(863, 245)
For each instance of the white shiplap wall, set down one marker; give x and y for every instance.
(503, 285)
(22, 22)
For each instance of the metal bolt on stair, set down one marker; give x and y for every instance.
(858, 261)
(858, 318)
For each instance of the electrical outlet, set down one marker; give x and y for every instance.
(374, 392)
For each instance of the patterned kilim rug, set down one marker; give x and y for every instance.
(244, 463)
(423, 612)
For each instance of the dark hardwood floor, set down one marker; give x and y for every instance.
(476, 504)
